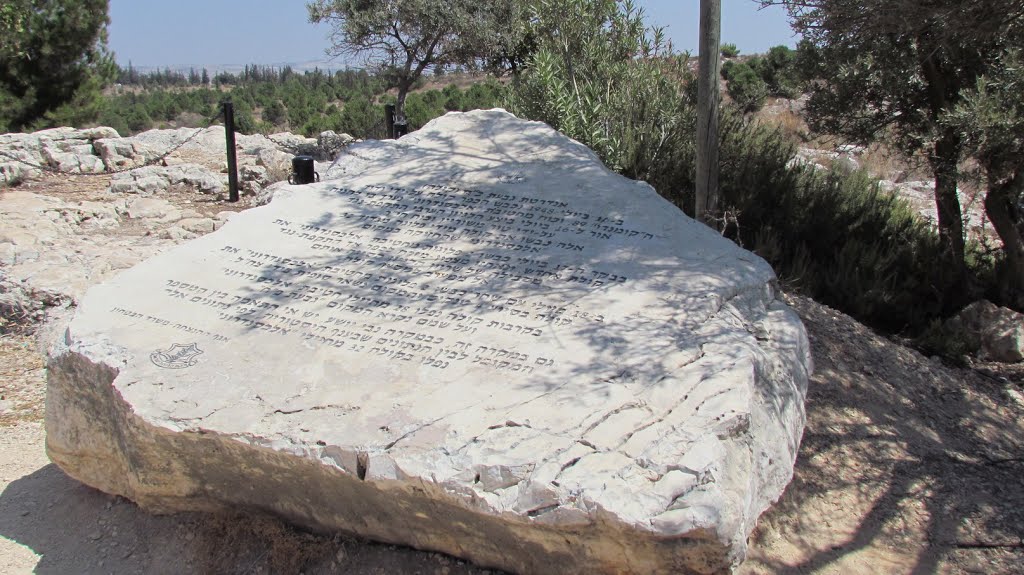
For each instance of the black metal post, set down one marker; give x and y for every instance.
(229, 135)
(389, 120)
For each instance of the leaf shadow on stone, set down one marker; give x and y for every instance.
(612, 347)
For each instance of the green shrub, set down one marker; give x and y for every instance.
(606, 80)
(746, 88)
(422, 107)
(359, 117)
(778, 69)
(835, 236)
(729, 50)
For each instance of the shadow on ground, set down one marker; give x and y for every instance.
(76, 529)
(906, 466)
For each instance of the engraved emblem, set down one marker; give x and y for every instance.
(177, 356)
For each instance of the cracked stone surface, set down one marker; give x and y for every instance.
(480, 342)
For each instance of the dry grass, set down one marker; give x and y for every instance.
(21, 371)
(789, 122)
(885, 163)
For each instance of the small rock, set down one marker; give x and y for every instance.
(198, 225)
(1015, 396)
(995, 333)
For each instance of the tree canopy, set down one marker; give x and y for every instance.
(51, 52)
(399, 39)
(897, 69)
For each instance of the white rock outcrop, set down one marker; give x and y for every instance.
(26, 156)
(487, 345)
(166, 157)
(151, 180)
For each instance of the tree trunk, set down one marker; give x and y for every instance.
(1001, 208)
(943, 89)
(944, 159)
(403, 91)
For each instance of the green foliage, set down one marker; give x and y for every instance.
(600, 76)
(275, 113)
(51, 52)
(778, 68)
(729, 50)
(400, 39)
(12, 28)
(900, 69)
(359, 117)
(835, 236)
(282, 99)
(990, 118)
(422, 107)
(752, 80)
(746, 88)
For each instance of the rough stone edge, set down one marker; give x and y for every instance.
(164, 471)
(167, 471)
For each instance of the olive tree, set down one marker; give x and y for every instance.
(908, 70)
(991, 121)
(400, 39)
(896, 69)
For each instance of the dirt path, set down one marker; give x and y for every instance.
(907, 466)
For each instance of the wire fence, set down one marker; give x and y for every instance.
(108, 172)
(379, 131)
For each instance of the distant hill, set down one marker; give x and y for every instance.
(307, 66)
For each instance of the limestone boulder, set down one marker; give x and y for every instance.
(295, 145)
(65, 149)
(488, 345)
(329, 144)
(52, 250)
(274, 160)
(994, 333)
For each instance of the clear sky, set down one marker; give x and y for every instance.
(235, 32)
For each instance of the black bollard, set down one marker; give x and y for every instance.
(303, 171)
(389, 121)
(229, 135)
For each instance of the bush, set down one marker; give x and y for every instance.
(359, 117)
(729, 50)
(835, 236)
(778, 69)
(482, 96)
(606, 80)
(746, 88)
(422, 107)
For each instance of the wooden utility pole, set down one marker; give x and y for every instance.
(708, 97)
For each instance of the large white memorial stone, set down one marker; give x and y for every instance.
(476, 340)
